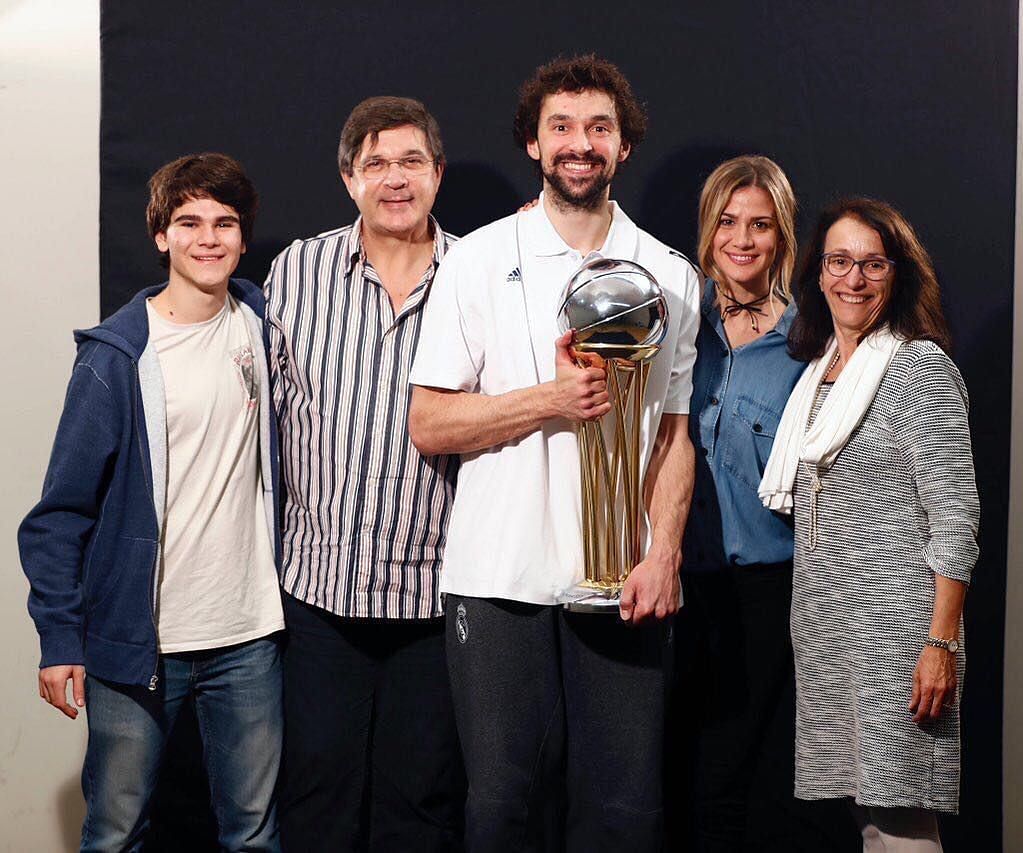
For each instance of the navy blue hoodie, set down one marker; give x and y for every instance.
(90, 547)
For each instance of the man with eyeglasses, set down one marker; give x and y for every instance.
(371, 755)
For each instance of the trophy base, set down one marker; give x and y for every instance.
(592, 597)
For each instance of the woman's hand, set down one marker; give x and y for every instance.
(934, 684)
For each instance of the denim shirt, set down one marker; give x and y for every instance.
(738, 397)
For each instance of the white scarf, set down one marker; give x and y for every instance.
(840, 414)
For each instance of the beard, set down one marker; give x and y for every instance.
(580, 194)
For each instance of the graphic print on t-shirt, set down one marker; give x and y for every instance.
(242, 358)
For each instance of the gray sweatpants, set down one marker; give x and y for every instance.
(558, 709)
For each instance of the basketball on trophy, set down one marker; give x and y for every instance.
(616, 308)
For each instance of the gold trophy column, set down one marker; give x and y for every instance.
(611, 488)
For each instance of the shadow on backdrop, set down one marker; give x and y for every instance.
(670, 198)
(473, 194)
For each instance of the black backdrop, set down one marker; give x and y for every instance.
(912, 102)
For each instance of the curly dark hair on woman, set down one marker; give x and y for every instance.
(578, 74)
(913, 311)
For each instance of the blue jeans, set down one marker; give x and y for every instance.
(237, 695)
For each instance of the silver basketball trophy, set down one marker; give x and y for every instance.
(620, 316)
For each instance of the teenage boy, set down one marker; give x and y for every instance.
(495, 382)
(151, 555)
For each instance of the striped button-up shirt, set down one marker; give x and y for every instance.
(364, 513)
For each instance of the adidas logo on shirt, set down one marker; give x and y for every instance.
(514, 275)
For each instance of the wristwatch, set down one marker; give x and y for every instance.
(947, 645)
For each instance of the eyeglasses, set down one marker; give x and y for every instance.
(874, 269)
(377, 167)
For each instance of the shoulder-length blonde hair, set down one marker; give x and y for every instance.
(750, 171)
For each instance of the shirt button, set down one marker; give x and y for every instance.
(757, 428)
(713, 401)
(703, 450)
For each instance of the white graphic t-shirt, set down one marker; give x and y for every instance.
(217, 579)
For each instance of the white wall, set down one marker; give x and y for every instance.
(49, 283)
(1012, 731)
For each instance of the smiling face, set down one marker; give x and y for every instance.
(204, 243)
(855, 302)
(578, 146)
(745, 243)
(396, 203)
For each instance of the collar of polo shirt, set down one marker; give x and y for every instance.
(622, 240)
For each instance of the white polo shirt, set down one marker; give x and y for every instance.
(489, 328)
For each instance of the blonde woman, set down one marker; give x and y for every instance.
(737, 571)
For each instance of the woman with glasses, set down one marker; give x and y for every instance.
(873, 459)
(735, 656)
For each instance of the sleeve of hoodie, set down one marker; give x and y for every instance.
(53, 537)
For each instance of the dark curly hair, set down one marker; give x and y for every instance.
(578, 74)
(914, 310)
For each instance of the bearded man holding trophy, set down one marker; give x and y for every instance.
(556, 358)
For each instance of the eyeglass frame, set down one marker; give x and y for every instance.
(430, 161)
(855, 263)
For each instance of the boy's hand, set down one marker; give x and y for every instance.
(53, 687)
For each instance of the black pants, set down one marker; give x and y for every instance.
(734, 716)
(543, 695)
(738, 666)
(371, 758)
